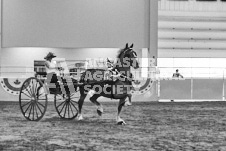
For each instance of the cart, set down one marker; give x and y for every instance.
(34, 94)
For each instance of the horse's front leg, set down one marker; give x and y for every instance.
(119, 120)
(80, 103)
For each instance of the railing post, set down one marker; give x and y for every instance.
(191, 88)
(158, 83)
(223, 97)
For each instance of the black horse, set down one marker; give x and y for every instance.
(116, 88)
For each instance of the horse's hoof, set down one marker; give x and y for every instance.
(80, 118)
(99, 112)
(121, 123)
(127, 104)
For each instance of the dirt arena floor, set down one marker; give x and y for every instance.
(150, 126)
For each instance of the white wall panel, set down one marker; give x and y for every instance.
(193, 14)
(193, 53)
(192, 5)
(195, 34)
(192, 24)
(75, 23)
(192, 45)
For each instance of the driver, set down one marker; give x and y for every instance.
(51, 69)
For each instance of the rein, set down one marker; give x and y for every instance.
(118, 74)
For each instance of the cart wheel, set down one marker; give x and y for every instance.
(66, 105)
(33, 99)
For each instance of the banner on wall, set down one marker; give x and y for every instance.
(142, 86)
(12, 85)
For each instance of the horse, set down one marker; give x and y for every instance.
(114, 89)
(111, 70)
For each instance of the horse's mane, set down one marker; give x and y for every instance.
(120, 52)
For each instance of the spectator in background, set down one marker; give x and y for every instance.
(177, 74)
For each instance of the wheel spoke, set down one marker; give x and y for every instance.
(30, 111)
(73, 105)
(41, 104)
(32, 86)
(39, 108)
(74, 97)
(68, 110)
(33, 117)
(36, 111)
(60, 104)
(41, 94)
(26, 94)
(27, 108)
(65, 109)
(62, 107)
(41, 99)
(25, 99)
(74, 101)
(35, 87)
(30, 89)
(25, 104)
(71, 109)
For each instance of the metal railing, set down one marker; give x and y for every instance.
(143, 72)
(194, 72)
(16, 71)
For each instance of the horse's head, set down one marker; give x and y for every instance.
(128, 57)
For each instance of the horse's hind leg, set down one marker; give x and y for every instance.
(129, 103)
(80, 103)
(93, 99)
(119, 120)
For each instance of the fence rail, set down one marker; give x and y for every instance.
(143, 72)
(194, 72)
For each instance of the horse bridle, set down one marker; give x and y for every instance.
(121, 56)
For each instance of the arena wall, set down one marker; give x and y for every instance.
(10, 87)
(191, 29)
(186, 29)
(192, 89)
(75, 24)
(24, 25)
(5, 96)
